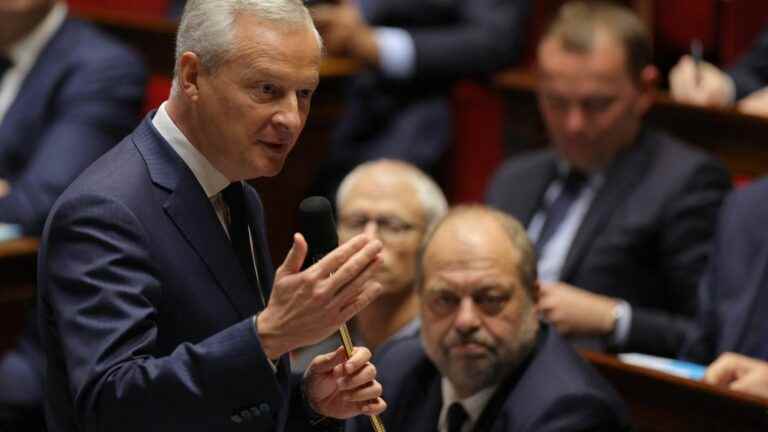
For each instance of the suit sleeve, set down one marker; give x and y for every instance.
(98, 282)
(751, 72)
(97, 105)
(486, 36)
(686, 232)
(732, 295)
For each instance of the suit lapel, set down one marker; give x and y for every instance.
(621, 177)
(194, 216)
(533, 183)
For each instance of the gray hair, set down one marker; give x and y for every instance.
(430, 195)
(207, 26)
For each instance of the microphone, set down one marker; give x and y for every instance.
(317, 225)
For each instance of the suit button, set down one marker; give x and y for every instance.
(236, 418)
(264, 408)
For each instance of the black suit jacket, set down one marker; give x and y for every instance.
(411, 119)
(734, 293)
(750, 74)
(82, 95)
(553, 390)
(145, 312)
(646, 236)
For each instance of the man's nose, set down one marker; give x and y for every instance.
(575, 119)
(467, 316)
(288, 116)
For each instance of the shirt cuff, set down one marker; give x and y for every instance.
(623, 321)
(272, 363)
(397, 53)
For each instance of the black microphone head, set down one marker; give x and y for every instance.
(318, 227)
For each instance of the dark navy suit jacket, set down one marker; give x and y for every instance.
(81, 97)
(553, 390)
(410, 119)
(646, 237)
(734, 293)
(145, 313)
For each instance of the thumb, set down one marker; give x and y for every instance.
(295, 257)
(326, 362)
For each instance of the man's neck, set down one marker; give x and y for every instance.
(385, 317)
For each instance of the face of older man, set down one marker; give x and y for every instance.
(384, 205)
(478, 321)
(591, 105)
(251, 109)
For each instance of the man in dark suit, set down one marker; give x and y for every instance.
(621, 214)
(67, 93)
(733, 295)
(412, 52)
(743, 85)
(159, 309)
(483, 361)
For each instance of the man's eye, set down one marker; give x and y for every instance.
(266, 89)
(598, 104)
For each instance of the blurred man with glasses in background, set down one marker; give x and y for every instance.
(397, 203)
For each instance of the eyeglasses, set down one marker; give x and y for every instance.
(444, 302)
(389, 227)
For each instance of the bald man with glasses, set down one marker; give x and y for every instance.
(396, 203)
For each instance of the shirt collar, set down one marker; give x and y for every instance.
(474, 404)
(211, 179)
(25, 51)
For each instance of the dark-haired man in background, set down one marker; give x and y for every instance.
(622, 215)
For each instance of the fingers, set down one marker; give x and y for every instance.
(347, 293)
(348, 264)
(295, 257)
(724, 370)
(374, 407)
(325, 363)
(370, 292)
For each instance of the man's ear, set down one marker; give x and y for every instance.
(649, 78)
(189, 73)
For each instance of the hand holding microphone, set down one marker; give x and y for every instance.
(307, 306)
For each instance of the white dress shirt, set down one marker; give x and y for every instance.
(555, 251)
(24, 53)
(474, 405)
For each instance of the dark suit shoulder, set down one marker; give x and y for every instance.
(397, 358)
(88, 44)
(519, 184)
(568, 393)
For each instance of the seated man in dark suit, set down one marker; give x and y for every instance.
(483, 361)
(621, 215)
(733, 296)
(745, 85)
(412, 52)
(68, 92)
(158, 305)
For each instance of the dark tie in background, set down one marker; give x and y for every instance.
(234, 196)
(556, 212)
(457, 416)
(5, 64)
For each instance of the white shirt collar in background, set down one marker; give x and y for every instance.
(24, 53)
